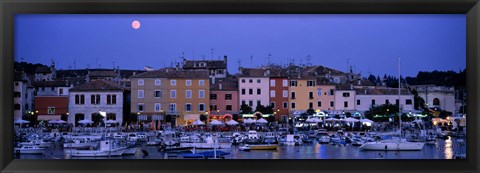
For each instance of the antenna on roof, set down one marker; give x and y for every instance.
(269, 56)
(251, 59)
(308, 60)
(113, 62)
(239, 63)
(74, 64)
(194, 54)
(211, 53)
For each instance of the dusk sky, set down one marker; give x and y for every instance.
(370, 43)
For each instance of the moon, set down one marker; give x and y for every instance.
(136, 24)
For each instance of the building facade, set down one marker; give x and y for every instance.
(51, 108)
(437, 97)
(22, 98)
(279, 94)
(367, 98)
(254, 88)
(87, 100)
(215, 68)
(223, 98)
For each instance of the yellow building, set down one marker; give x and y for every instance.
(179, 94)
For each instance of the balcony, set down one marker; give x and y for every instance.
(293, 97)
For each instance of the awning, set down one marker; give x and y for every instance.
(48, 117)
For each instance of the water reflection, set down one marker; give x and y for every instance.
(448, 148)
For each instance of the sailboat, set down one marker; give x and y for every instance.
(394, 144)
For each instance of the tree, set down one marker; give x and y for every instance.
(235, 117)
(348, 114)
(310, 111)
(271, 118)
(384, 110)
(132, 118)
(203, 117)
(444, 114)
(264, 110)
(258, 116)
(245, 109)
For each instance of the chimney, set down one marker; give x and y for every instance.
(225, 58)
(220, 86)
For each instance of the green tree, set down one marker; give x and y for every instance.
(245, 109)
(235, 117)
(264, 110)
(271, 118)
(258, 116)
(348, 114)
(310, 111)
(203, 117)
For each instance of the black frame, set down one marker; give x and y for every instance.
(9, 8)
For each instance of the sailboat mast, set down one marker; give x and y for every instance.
(399, 111)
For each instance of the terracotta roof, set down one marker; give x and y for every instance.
(385, 91)
(209, 64)
(252, 72)
(43, 70)
(174, 73)
(228, 84)
(50, 84)
(18, 76)
(129, 73)
(98, 85)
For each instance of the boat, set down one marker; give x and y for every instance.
(130, 151)
(80, 143)
(38, 142)
(245, 147)
(252, 137)
(324, 140)
(264, 147)
(270, 138)
(106, 149)
(207, 143)
(29, 149)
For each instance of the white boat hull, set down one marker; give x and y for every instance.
(207, 145)
(95, 153)
(29, 151)
(130, 151)
(79, 145)
(393, 146)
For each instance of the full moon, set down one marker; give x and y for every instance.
(136, 24)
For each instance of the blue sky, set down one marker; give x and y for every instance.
(370, 43)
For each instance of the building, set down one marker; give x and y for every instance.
(279, 94)
(22, 98)
(85, 101)
(215, 68)
(437, 97)
(324, 95)
(51, 88)
(182, 94)
(45, 73)
(253, 87)
(367, 98)
(223, 98)
(344, 99)
(51, 108)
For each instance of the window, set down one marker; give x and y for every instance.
(272, 83)
(319, 103)
(373, 102)
(285, 105)
(436, 102)
(331, 92)
(43, 88)
(336, 80)
(243, 80)
(285, 93)
(173, 94)
(250, 91)
(310, 105)
(201, 83)
(259, 81)
(319, 92)
(158, 94)
(158, 82)
(332, 104)
(111, 99)
(201, 94)
(201, 107)
(250, 81)
(243, 91)
(188, 107)
(140, 94)
(140, 107)
(213, 107)
(397, 101)
(408, 101)
(228, 107)
(358, 102)
(79, 99)
(310, 83)
(228, 96)
(95, 99)
(285, 83)
(310, 95)
(387, 101)
(51, 110)
(158, 107)
(345, 104)
(188, 94)
(16, 83)
(272, 104)
(293, 95)
(173, 107)
(259, 103)
(293, 83)
(17, 94)
(188, 82)
(293, 105)
(272, 93)
(243, 102)
(345, 94)
(60, 91)
(259, 91)
(250, 103)
(17, 106)
(213, 96)
(173, 82)
(140, 82)
(52, 88)
(219, 71)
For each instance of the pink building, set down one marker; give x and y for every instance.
(223, 98)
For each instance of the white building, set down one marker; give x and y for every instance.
(437, 96)
(51, 88)
(85, 101)
(22, 98)
(367, 97)
(254, 88)
(45, 73)
(344, 100)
